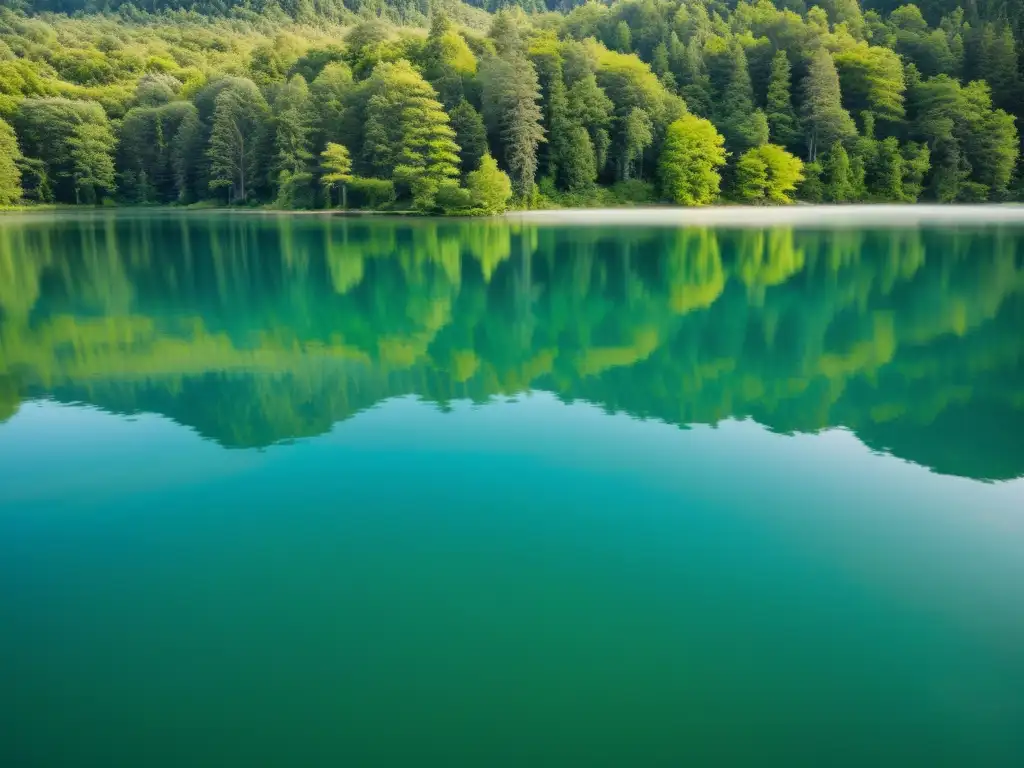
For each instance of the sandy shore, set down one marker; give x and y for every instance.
(794, 215)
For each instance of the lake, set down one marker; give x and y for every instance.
(316, 491)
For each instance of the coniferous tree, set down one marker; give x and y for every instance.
(240, 117)
(579, 166)
(782, 123)
(511, 108)
(293, 126)
(696, 83)
(826, 122)
(470, 135)
(837, 176)
(639, 135)
(742, 126)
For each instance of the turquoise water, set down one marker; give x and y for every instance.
(304, 491)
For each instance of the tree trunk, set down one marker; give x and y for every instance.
(344, 197)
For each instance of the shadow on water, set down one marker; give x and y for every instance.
(255, 330)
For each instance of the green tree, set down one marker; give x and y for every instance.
(768, 174)
(92, 158)
(490, 188)
(447, 60)
(824, 117)
(10, 174)
(639, 135)
(559, 126)
(145, 154)
(470, 135)
(511, 109)
(329, 93)
(751, 177)
(240, 118)
(916, 164)
(837, 176)
(885, 172)
(293, 125)
(872, 79)
(622, 40)
(742, 126)
(695, 81)
(579, 166)
(187, 156)
(337, 167)
(407, 133)
(590, 107)
(692, 153)
(973, 147)
(782, 123)
(49, 130)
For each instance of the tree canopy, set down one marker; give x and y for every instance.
(235, 102)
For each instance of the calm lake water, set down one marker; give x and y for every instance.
(313, 492)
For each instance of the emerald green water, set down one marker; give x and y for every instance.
(306, 491)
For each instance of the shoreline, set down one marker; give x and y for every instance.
(879, 214)
(726, 216)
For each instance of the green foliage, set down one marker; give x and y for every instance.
(371, 193)
(826, 122)
(293, 125)
(768, 174)
(872, 79)
(690, 157)
(490, 189)
(407, 133)
(782, 123)
(240, 119)
(336, 165)
(470, 135)
(511, 108)
(150, 139)
(192, 108)
(10, 173)
(916, 164)
(74, 142)
(838, 177)
(733, 113)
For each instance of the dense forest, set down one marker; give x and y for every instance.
(395, 104)
(258, 329)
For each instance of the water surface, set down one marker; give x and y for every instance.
(307, 491)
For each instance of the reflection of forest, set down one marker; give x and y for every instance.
(256, 329)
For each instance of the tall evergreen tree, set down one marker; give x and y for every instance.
(293, 126)
(240, 118)
(742, 126)
(782, 123)
(511, 108)
(837, 176)
(824, 117)
(470, 135)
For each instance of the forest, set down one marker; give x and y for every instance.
(442, 107)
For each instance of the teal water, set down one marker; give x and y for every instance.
(302, 491)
